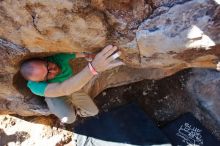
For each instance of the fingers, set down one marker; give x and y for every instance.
(115, 64)
(106, 49)
(114, 56)
(106, 59)
(110, 51)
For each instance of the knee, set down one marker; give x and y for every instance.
(68, 119)
(95, 111)
(88, 113)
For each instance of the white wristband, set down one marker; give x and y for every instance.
(116, 55)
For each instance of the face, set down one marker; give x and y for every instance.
(44, 71)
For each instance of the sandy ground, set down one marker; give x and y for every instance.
(35, 132)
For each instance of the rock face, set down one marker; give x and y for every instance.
(157, 39)
(204, 87)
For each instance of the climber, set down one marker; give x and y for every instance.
(52, 78)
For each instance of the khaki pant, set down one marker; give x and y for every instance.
(66, 108)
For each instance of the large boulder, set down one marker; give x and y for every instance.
(157, 38)
(203, 86)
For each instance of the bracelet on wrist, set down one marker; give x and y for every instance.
(92, 69)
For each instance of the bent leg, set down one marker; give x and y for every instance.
(62, 109)
(85, 106)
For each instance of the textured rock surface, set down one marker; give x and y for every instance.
(171, 31)
(204, 86)
(157, 38)
(40, 131)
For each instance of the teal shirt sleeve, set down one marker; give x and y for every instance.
(37, 88)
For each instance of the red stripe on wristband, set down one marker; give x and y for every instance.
(92, 69)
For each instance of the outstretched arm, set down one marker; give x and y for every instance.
(103, 61)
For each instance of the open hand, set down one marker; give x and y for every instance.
(105, 59)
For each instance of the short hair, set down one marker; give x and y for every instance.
(26, 68)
